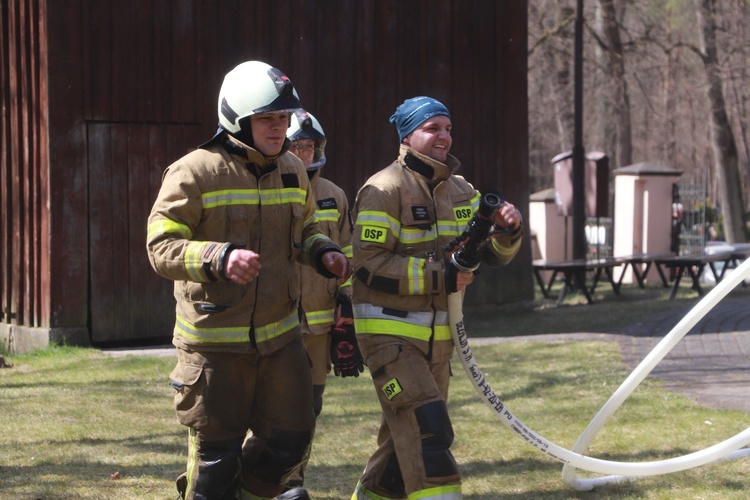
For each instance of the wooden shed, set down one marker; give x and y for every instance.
(99, 96)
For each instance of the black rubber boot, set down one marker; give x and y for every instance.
(294, 494)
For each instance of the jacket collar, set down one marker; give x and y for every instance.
(433, 170)
(313, 175)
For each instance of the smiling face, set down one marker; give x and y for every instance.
(269, 132)
(432, 138)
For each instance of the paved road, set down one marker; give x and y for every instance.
(710, 365)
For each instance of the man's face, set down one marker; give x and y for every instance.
(432, 138)
(304, 149)
(269, 132)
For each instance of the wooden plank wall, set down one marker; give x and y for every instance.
(24, 275)
(133, 86)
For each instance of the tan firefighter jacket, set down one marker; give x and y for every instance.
(224, 196)
(404, 215)
(319, 293)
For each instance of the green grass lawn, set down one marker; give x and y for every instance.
(79, 424)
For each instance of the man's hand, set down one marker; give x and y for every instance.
(337, 264)
(242, 266)
(455, 280)
(508, 217)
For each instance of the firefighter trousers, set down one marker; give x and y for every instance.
(250, 419)
(413, 457)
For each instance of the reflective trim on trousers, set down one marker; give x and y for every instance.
(447, 492)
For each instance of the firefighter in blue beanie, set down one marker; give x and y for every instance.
(404, 217)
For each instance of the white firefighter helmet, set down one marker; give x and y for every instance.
(304, 125)
(251, 88)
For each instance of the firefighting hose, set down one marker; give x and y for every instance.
(467, 258)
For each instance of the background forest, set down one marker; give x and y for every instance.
(665, 81)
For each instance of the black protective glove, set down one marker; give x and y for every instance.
(345, 355)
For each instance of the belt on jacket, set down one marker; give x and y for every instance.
(373, 319)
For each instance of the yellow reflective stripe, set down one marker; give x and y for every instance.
(378, 219)
(273, 330)
(246, 495)
(404, 234)
(447, 492)
(395, 327)
(282, 196)
(222, 335)
(236, 334)
(415, 273)
(450, 228)
(475, 201)
(310, 241)
(193, 263)
(166, 226)
(192, 465)
(362, 493)
(348, 251)
(319, 317)
(442, 332)
(313, 218)
(226, 197)
(505, 252)
(327, 215)
(411, 236)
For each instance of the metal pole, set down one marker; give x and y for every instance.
(579, 194)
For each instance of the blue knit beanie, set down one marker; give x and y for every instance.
(414, 112)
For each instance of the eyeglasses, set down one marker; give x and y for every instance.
(303, 146)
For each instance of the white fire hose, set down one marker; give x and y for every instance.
(729, 449)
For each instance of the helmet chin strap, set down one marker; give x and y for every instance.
(316, 165)
(245, 133)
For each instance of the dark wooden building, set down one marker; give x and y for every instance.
(99, 96)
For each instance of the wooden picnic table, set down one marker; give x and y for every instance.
(575, 274)
(648, 259)
(693, 265)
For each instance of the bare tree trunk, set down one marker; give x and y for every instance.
(724, 146)
(562, 82)
(604, 134)
(624, 154)
(670, 144)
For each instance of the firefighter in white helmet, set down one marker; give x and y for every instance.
(229, 224)
(326, 310)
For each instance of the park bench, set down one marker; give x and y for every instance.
(575, 274)
(693, 265)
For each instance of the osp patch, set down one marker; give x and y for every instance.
(373, 234)
(463, 214)
(392, 388)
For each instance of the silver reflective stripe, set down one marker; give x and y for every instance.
(425, 319)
